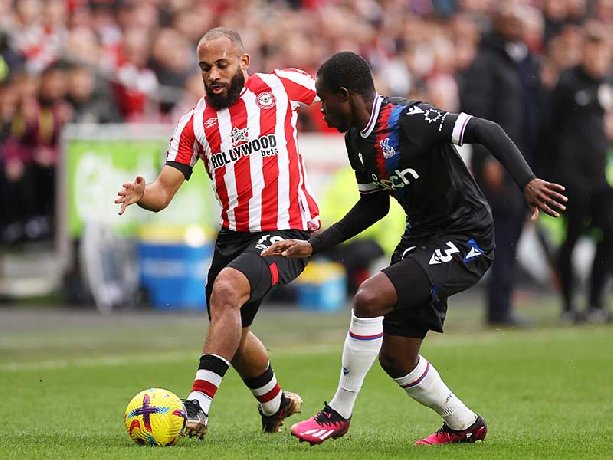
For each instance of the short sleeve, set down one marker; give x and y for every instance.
(299, 85)
(183, 152)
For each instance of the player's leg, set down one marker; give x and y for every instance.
(423, 282)
(602, 265)
(574, 222)
(375, 297)
(238, 280)
(251, 359)
(230, 290)
(252, 363)
(401, 360)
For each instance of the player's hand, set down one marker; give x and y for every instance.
(289, 248)
(130, 193)
(545, 196)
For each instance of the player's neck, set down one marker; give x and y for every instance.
(364, 110)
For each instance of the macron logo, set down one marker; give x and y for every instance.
(414, 110)
(345, 371)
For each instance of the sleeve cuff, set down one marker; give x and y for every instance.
(185, 169)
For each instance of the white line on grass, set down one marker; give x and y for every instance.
(142, 358)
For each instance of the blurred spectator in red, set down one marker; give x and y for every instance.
(38, 31)
(134, 83)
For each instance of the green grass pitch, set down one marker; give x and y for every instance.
(66, 378)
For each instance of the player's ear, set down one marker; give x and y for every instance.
(245, 59)
(343, 94)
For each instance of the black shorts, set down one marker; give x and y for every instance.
(425, 275)
(241, 251)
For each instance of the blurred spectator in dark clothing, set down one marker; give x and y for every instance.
(16, 194)
(172, 61)
(33, 142)
(554, 15)
(10, 60)
(562, 52)
(502, 85)
(89, 97)
(579, 104)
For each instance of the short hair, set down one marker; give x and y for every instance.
(347, 70)
(230, 34)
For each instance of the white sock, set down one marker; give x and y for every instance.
(361, 348)
(210, 373)
(203, 400)
(424, 385)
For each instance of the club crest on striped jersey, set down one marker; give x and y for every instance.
(265, 100)
(239, 136)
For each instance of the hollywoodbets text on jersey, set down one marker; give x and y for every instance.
(267, 144)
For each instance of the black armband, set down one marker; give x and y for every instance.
(369, 209)
(185, 169)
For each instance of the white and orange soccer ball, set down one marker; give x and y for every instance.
(155, 417)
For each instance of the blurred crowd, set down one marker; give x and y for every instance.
(134, 61)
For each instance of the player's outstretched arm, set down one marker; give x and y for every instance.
(153, 197)
(539, 194)
(369, 209)
(289, 248)
(545, 196)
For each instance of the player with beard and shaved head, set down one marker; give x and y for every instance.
(244, 130)
(404, 149)
(223, 65)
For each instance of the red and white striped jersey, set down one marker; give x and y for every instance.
(250, 151)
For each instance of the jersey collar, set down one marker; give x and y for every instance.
(374, 114)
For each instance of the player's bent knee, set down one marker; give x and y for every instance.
(390, 365)
(230, 290)
(366, 303)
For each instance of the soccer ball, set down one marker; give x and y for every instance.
(155, 417)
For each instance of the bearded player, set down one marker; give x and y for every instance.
(244, 130)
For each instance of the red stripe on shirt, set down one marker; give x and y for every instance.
(298, 92)
(270, 165)
(242, 172)
(295, 214)
(185, 150)
(313, 210)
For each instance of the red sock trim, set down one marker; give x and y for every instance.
(272, 394)
(205, 387)
(418, 381)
